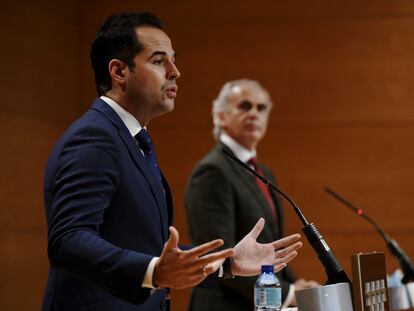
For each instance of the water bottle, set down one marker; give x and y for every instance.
(267, 291)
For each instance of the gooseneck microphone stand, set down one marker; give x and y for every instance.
(333, 269)
(405, 262)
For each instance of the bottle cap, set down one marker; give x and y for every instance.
(267, 268)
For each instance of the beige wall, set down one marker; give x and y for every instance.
(340, 74)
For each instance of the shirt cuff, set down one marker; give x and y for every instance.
(221, 272)
(147, 282)
(289, 297)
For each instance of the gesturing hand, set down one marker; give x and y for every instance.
(178, 268)
(251, 255)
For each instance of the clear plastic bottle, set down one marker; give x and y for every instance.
(267, 291)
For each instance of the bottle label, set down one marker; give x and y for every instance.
(270, 296)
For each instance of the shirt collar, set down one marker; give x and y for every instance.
(239, 151)
(129, 120)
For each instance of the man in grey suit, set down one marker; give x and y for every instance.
(224, 200)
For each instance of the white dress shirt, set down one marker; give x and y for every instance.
(239, 151)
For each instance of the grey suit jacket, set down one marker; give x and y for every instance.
(224, 201)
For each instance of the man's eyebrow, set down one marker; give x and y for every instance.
(162, 53)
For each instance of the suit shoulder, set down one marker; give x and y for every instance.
(213, 160)
(90, 126)
(92, 131)
(92, 120)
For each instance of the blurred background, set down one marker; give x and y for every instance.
(340, 73)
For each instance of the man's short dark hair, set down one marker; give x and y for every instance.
(117, 39)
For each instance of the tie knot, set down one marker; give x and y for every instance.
(253, 162)
(144, 140)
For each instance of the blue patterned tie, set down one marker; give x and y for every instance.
(146, 145)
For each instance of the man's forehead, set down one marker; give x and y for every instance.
(154, 39)
(249, 91)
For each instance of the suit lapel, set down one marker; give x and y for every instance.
(169, 198)
(246, 179)
(141, 163)
(279, 214)
(138, 159)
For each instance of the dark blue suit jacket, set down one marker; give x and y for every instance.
(107, 217)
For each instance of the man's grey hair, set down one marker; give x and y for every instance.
(221, 102)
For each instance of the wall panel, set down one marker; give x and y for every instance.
(340, 74)
(39, 88)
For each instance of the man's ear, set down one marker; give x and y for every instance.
(117, 70)
(221, 117)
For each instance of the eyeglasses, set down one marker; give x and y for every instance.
(247, 105)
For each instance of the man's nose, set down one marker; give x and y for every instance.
(173, 73)
(253, 114)
(254, 110)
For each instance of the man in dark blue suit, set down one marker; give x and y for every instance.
(109, 210)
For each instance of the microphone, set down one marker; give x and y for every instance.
(405, 261)
(333, 269)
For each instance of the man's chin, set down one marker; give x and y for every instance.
(167, 103)
(253, 137)
(163, 109)
(254, 134)
(169, 106)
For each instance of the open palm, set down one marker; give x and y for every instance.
(251, 255)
